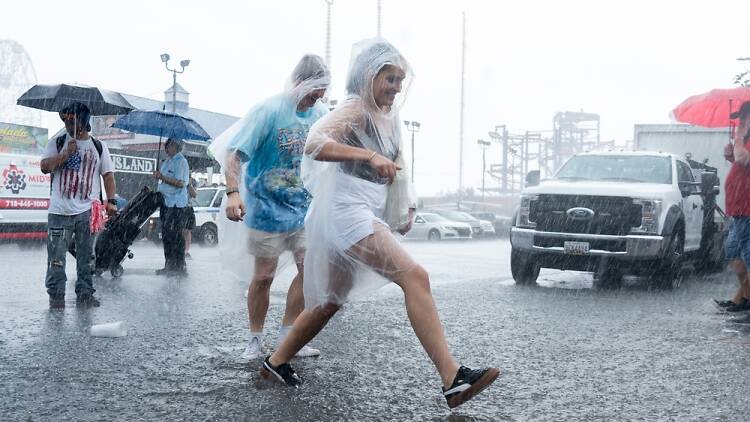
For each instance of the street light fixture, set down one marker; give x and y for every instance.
(183, 65)
(412, 127)
(484, 145)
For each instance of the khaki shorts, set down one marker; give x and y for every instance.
(272, 245)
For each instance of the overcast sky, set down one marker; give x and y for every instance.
(630, 61)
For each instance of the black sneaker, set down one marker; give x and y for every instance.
(740, 307)
(468, 383)
(87, 301)
(723, 303)
(162, 271)
(282, 373)
(57, 302)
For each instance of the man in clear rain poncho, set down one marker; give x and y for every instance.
(261, 156)
(355, 170)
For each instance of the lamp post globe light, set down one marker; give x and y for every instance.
(412, 126)
(183, 64)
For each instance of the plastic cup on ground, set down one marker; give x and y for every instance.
(112, 329)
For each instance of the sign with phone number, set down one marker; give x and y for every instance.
(24, 204)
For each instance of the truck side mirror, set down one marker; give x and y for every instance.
(532, 178)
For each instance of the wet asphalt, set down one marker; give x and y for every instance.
(567, 351)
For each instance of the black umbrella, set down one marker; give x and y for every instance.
(56, 97)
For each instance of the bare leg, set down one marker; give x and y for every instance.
(744, 280)
(259, 290)
(384, 254)
(295, 299)
(311, 321)
(307, 325)
(188, 235)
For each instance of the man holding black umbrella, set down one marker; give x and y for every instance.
(173, 179)
(75, 160)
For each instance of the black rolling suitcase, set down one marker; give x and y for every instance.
(113, 243)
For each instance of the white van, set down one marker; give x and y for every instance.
(24, 197)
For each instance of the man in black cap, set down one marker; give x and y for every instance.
(737, 248)
(76, 162)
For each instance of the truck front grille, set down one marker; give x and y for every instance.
(613, 215)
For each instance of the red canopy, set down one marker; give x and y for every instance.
(712, 109)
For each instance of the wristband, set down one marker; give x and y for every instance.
(232, 190)
(374, 153)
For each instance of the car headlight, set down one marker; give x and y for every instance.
(524, 212)
(650, 212)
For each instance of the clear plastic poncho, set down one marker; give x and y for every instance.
(351, 247)
(268, 143)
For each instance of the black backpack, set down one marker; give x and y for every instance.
(59, 142)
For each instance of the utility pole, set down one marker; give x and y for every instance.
(380, 13)
(329, 3)
(484, 145)
(412, 127)
(461, 121)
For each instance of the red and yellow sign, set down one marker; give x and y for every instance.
(20, 139)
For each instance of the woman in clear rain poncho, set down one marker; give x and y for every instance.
(354, 169)
(261, 156)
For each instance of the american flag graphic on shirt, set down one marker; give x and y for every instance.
(77, 175)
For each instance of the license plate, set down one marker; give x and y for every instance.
(576, 248)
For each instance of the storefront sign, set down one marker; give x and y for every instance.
(130, 164)
(20, 139)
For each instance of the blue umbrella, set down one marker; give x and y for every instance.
(162, 123)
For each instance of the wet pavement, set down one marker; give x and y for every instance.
(567, 351)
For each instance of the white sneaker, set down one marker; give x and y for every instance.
(254, 349)
(307, 352)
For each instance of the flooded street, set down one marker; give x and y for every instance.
(566, 351)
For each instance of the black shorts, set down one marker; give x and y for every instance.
(189, 218)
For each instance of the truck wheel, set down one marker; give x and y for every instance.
(433, 235)
(209, 235)
(117, 271)
(669, 274)
(610, 279)
(523, 268)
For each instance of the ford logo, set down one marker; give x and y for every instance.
(580, 213)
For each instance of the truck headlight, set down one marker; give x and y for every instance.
(524, 212)
(650, 212)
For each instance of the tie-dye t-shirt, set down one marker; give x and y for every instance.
(77, 183)
(272, 146)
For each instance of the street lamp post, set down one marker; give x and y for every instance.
(183, 65)
(484, 145)
(412, 127)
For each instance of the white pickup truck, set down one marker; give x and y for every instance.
(615, 213)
